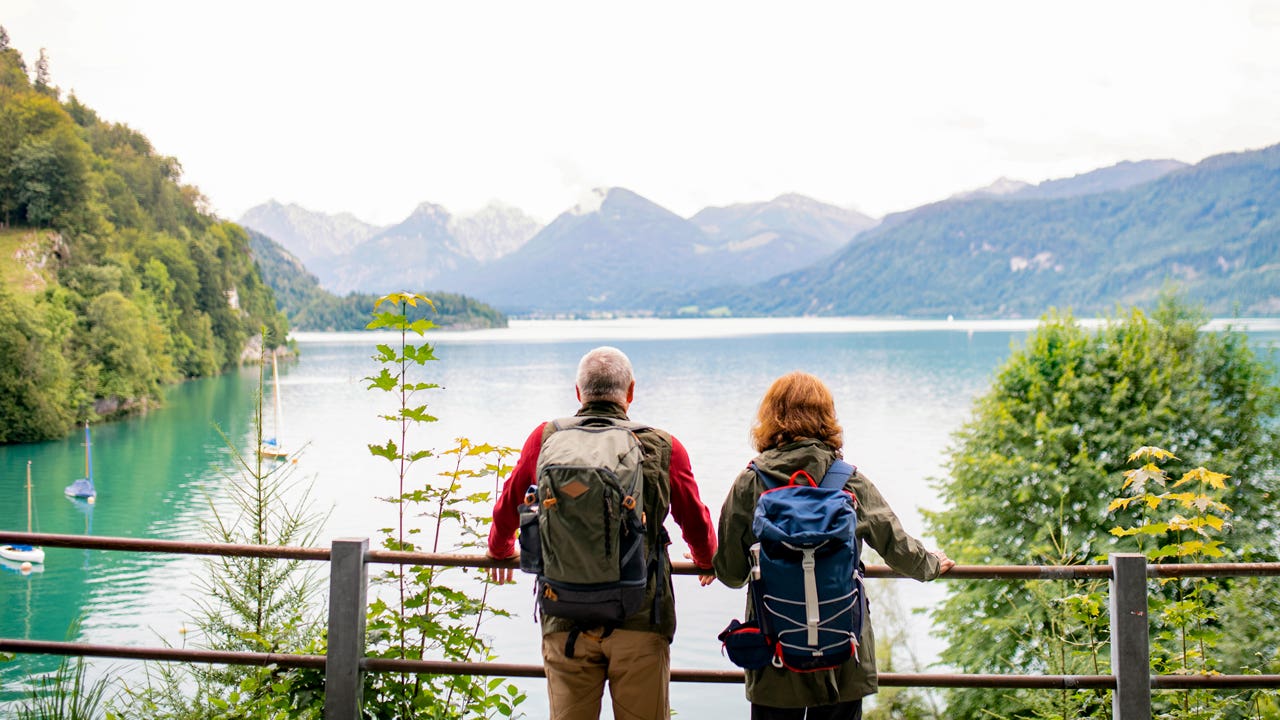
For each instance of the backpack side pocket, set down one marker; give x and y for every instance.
(530, 535)
(746, 645)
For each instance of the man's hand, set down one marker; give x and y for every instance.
(946, 562)
(503, 575)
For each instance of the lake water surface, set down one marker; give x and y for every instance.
(902, 388)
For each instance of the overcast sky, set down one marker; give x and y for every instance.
(375, 107)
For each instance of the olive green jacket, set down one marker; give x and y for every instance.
(877, 526)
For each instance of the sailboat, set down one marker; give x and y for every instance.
(24, 553)
(83, 488)
(272, 447)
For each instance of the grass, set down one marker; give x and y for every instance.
(67, 694)
(14, 273)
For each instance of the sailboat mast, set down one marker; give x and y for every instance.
(28, 496)
(275, 392)
(88, 454)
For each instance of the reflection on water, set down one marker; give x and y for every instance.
(150, 473)
(901, 389)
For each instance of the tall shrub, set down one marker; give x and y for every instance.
(426, 612)
(1031, 473)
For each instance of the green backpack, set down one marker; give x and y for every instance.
(582, 525)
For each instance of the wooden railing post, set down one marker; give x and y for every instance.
(348, 588)
(1130, 639)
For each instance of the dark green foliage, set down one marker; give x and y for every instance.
(141, 287)
(50, 174)
(116, 335)
(310, 307)
(1033, 471)
(35, 382)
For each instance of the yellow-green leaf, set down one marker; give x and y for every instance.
(1138, 477)
(1153, 452)
(1191, 547)
(1120, 503)
(1207, 477)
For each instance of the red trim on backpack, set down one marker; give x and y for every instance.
(807, 476)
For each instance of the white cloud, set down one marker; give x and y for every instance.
(590, 202)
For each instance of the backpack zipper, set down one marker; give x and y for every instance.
(608, 531)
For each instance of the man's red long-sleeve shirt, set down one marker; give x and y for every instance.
(686, 505)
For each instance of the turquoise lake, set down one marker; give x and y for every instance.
(902, 388)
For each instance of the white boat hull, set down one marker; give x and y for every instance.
(22, 554)
(273, 451)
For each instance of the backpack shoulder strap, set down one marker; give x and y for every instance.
(576, 420)
(837, 475)
(551, 426)
(770, 484)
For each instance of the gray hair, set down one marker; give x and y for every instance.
(604, 374)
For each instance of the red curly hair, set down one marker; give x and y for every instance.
(797, 405)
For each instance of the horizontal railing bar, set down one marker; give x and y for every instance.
(181, 547)
(1214, 570)
(444, 667)
(216, 657)
(390, 557)
(1193, 682)
(285, 552)
(1033, 682)
(1012, 572)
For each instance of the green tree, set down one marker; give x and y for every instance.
(50, 175)
(1031, 472)
(44, 81)
(35, 378)
(119, 339)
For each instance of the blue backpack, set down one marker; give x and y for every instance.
(806, 576)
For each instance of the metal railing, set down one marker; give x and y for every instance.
(345, 663)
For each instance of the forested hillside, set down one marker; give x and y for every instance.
(116, 280)
(1212, 230)
(310, 307)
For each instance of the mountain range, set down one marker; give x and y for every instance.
(1211, 230)
(1116, 234)
(615, 251)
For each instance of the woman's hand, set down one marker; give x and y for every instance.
(945, 562)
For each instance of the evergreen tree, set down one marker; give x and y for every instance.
(43, 78)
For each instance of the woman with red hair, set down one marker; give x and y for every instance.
(796, 429)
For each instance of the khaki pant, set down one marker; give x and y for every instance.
(636, 664)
